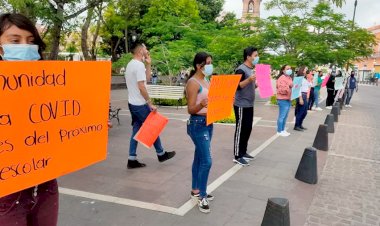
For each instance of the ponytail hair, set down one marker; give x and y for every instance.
(281, 71)
(200, 58)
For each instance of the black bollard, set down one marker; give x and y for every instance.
(276, 213)
(337, 105)
(321, 141)
(307, 169)
(330, 123)
(334, 111)
(340, 101)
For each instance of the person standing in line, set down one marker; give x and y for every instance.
(302, 101)
(197, 88)
(310, 78)
(317, 89)
(352, 85)
(154, 77)
(243, 106)
(284, 86)
(140, 105)
(38, 205)
(330, 86)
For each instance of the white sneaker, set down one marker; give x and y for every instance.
(284, 134)
(329, 107)
(319, 109)
(314, 108)
(346, 105)
(349, 106)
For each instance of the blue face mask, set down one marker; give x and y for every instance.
(289, 72)
(20, 52)
(256, 60)
(208, 70)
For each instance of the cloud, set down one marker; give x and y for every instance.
(367, 11)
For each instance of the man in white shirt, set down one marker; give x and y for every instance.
(139, 103)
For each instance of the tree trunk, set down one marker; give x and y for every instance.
(84, 38)
(56, 31)
(126, 40)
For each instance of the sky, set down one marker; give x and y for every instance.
(367, 11)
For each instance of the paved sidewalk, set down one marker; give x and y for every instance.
(107, 194)
(349, 188)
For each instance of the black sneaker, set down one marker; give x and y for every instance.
(134, 164)
(203, 205)
(303, 128)
(166, 156)
(298, 129)
(248, 157)
(196, 195)
(241, 161)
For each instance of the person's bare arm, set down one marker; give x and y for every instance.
(144, 93)
(247, 81)
(191, 96)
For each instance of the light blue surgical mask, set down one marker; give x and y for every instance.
(255, 61)
(20, 52)
(289, 72)
(208, 70)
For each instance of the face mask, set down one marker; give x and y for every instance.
(18, 52)
(208, 70)
(255, 61)
(289, 72)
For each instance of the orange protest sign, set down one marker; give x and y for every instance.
(220, 96)
(151, 129)
(53, 120)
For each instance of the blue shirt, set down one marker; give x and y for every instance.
(352, 83)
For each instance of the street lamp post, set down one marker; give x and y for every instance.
(353, 19)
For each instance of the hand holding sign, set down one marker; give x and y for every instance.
(151, 129)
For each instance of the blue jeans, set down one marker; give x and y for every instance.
(139, 114)
(316, 97)
(201, 136)
(301, 110)
(284, 107)
(350, 93)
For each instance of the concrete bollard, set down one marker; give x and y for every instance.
(330, 123)
(321, 141)
(307, 169)
(337, 104)
(276, 213)
(335, 112)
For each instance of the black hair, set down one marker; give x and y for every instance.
(137, 48)
(281, 71)
(248, 52)
(300, 71)
(200, 58)
(7, 20)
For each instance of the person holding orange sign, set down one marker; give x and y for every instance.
(140, 104)
(197, 89)
(36, 206)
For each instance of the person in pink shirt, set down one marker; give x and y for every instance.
(284, 90)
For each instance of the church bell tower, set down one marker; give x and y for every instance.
(251, 9)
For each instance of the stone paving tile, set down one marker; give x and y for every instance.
(349, 189)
